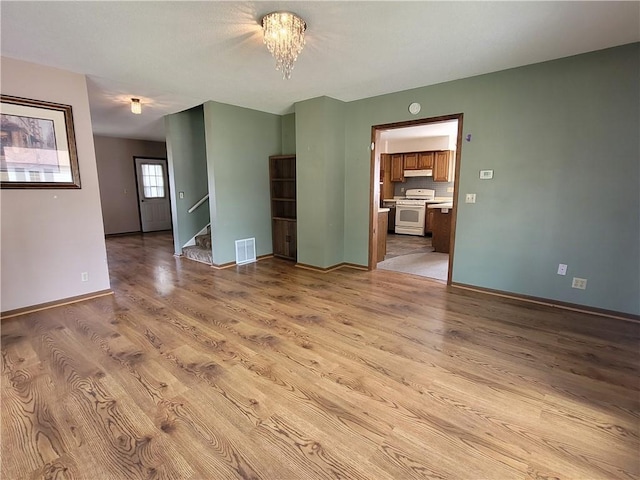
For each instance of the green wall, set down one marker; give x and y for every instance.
(562, 139)
(187, 173)
(320, 142)
(239, 142)
(289, 134)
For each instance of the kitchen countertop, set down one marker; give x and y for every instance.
(383, 210)
(440, 205)
(435, 200)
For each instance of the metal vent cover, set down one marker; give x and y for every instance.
(245, 251)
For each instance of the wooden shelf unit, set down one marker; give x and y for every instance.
(282, 179)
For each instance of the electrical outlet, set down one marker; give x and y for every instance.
(562, 269)
(181, 194)
(470, 198)
(84, 277)
(401, 189)
(449, 189)
(579, 283)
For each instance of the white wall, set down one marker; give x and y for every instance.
(401, 145)
(49, 237)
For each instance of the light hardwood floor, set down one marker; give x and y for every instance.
(268, 371)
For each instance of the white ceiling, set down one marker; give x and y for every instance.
(175, 55)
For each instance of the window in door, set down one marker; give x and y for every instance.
(153, 180)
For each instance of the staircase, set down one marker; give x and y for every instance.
(201, 251)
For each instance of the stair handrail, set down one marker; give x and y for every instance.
(198, 203)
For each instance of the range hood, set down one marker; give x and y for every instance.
(418, 173)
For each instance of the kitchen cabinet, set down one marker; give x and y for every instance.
(425, 160)
(397, 167)
(410, 161)
(443, 166)
(441, 230)
(386, 187)
(391, 221)
(383, 219)
(282, 179)
(428, 220)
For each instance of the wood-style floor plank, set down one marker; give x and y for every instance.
(267, 371)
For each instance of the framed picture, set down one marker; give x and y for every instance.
(38, 148)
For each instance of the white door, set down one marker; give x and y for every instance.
(153, 194)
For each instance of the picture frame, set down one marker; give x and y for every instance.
(38, 144)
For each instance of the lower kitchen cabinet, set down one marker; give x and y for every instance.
(441, 230)
(383, 219)
(428, 220)
(285, 238)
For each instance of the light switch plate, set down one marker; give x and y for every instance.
(470, 198)
(486, 174)
(579, 283)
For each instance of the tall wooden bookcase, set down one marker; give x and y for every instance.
(282, 177)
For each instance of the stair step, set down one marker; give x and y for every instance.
(204, 240)
(199, 254)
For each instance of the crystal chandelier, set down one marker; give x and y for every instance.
(284, 37)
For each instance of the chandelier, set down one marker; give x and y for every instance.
(284, 37)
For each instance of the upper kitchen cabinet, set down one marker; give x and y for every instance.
(410, 161)
(443, 166)
(397, 167)
(425, 160)
(386, 187)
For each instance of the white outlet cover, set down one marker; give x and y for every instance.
(562, 269)
(470, 198)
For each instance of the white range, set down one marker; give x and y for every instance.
(411, 210)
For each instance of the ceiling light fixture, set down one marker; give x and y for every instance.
(284, 37)
(136, 106)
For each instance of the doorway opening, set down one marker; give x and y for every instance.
(154, 204)
(415, 165)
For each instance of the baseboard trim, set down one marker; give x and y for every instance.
(223, 266)
(123, 234)
(332, 268)
(57, 303)
(234, 264)
(551, 303)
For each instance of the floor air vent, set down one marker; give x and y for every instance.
(245, 251)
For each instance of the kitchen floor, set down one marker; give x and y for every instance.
(414, 254)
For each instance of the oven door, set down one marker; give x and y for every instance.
(410, 219)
